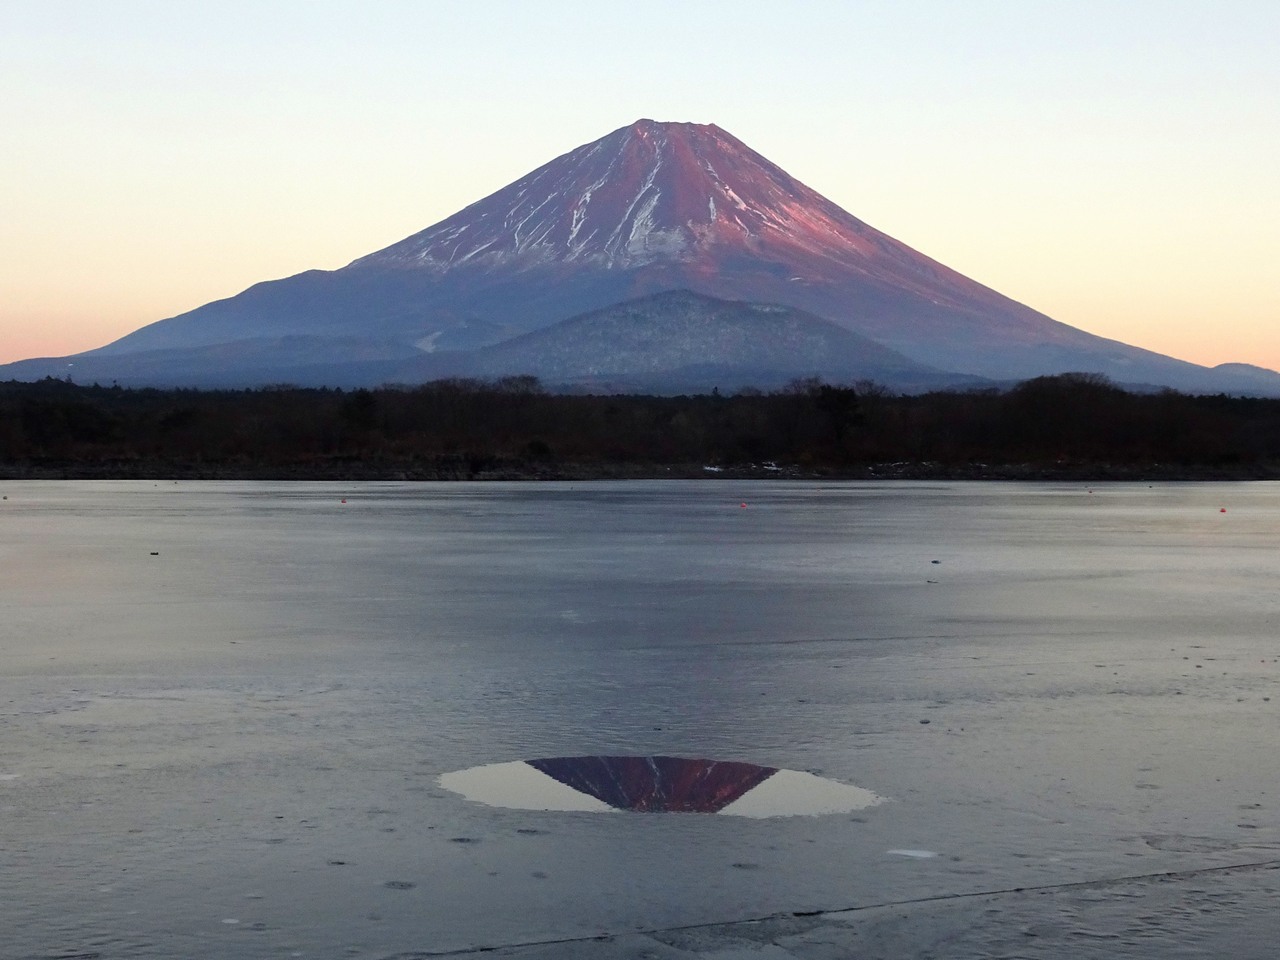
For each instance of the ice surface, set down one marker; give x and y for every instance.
(268, 704)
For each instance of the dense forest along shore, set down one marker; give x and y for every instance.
(1070, 426)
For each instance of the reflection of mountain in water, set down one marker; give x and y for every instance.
(657, 784)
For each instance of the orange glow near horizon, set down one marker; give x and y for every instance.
(1111, 166)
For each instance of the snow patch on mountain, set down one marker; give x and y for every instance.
(691, 188)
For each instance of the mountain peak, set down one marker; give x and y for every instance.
(651, 207)
(644, 126)
(650, 192)
(647, 127)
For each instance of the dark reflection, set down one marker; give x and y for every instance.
(657, 784)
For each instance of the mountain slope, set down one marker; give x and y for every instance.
(678, 341)
(649, 208)
(671, 342)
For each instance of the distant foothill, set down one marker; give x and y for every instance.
(661, 258)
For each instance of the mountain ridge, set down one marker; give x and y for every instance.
(649, 208)
(677, 341)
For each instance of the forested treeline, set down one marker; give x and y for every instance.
(511, 427)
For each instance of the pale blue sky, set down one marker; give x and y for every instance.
(1111, 164)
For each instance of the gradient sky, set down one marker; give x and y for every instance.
(1114, 165)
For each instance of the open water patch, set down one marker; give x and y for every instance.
(656, 784)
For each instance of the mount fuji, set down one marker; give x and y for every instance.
(661, 256)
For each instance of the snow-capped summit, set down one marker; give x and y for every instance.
(649, 208)
(675, 193)
(650, 191)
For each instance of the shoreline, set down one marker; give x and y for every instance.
(457, 470)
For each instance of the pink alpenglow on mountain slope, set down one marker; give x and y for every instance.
(652, 208)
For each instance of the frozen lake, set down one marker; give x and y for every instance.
(226, 708)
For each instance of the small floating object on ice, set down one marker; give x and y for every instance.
(915, 854)
(1222, 510)
(935, 561)
(155, 553)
